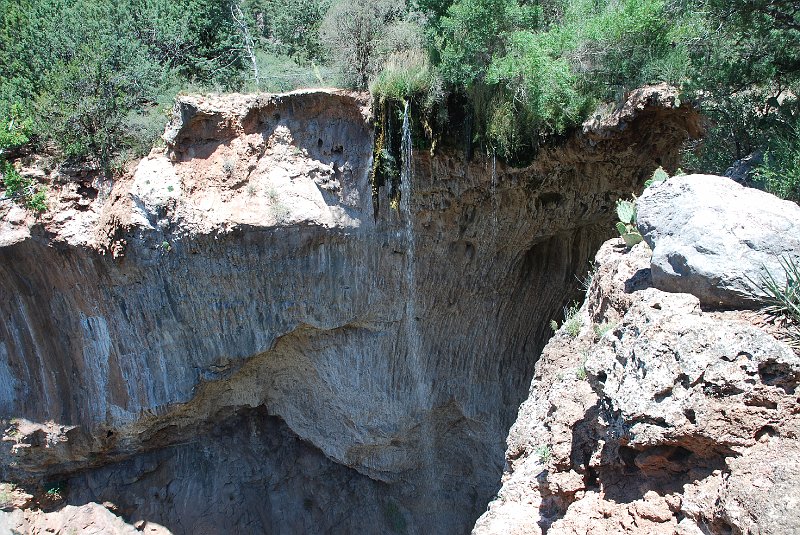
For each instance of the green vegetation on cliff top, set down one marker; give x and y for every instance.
(92, 79)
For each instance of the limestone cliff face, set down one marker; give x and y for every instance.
(231, 324)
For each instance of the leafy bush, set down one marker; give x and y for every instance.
(600, 330)
(535, 70)
(471, 33)
(86, 101)
(580, 373)
(351, 33)
(543, 452)
(779, 173)
(540, 92)
(586, 280)
(625, 45)
(746, 77)
(15, 127)
(23, 189)
(572, 321)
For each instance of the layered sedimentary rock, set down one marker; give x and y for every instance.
(654, 415)
(236, 323)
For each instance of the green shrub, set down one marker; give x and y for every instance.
(472, 33)
(23, 189)
(540, 94)
(543, 452)
(86, 101)
(406, 74)
(572, 321)
(602, 329)
(779, 173)
(586, 280)
(580, 373)
(626, 44)
(15, 127)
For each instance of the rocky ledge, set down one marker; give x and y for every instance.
(658, 412)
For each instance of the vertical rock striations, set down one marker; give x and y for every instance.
(232, 322)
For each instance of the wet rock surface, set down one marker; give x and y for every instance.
(657, 417)
(244, 269)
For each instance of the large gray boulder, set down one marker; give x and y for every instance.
(712, 237)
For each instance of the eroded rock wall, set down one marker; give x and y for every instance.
(240, 276)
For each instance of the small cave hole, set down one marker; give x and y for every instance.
(628, 457)
(591, 479)
(778, 374)
(679, 454)
(690, 415)
(550, 199)
(86, 190)
(601, 376)
(765, 432)
(319, 143)
(664, 394)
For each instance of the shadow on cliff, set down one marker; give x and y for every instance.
(252, 472)
(627, 474)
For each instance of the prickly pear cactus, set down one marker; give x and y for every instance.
(626, 211)
(632, 238)
(626, 226)
(659, 176)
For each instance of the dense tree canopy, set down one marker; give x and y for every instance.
(94, 76)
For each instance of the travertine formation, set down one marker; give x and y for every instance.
(659, 416)
(231, 325)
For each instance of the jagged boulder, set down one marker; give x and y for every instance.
(714, 238)
(676, 378)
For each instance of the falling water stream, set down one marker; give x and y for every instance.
(415, 363)
(494, 194)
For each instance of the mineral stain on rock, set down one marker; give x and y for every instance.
(220, 342)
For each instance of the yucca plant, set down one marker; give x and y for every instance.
(782, 299)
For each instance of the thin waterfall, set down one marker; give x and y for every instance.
(494, 194)
(411, 328)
